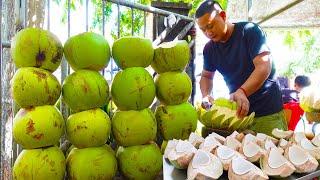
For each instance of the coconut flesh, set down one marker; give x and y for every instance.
(204, 165)
(309, 147)
(241, 169)
(269, 145)
(298, 136)
(252, 151)
(210, 144)
(218, 137)
(274, 163)
(195, 139)
(316, 140)
(226, 154)
(232, 143)
(182, 154)
(278, 133)
(301, 159)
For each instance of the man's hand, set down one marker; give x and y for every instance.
(242, 102)
(207, 102)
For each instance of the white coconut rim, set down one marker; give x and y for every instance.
(306, 144)
(225, 152)
(184, 146)
(298, 136)
(297, 156)
(232, 142)
(281, 133)
(234, 134)
(211, 141)
(195, 137)
(217, 137)
(241, 166)
(261, 136)
(276, 159)
(200, 159)
(249, 138)
(250, 149)
(269, 144)
(283, 143)
(170, 44)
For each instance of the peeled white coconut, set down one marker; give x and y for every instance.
(226, 154)
(195, 139)
(298, 136)
(274, 163)
(262, 138)
(204, 165)
(249, 138)
(232, 143)
(284, 144)
(269, 145)
(241, 169)
(220, 138)
(312, 149)
(238, 136)
(210, 144)
(252, 151)
(182, 154)
(316, 140)
(301, 159)
(170, 146)
(279, 133)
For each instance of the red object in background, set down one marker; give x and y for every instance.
(296, 113)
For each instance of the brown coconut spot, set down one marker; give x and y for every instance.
(30, 126)
(41, 56)
(58, 56)
(38, 136)
(40, 75)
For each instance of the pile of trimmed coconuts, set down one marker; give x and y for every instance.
(279, 156)
(38, 126)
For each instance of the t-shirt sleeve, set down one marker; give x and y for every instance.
(207, 59)
(256, 39)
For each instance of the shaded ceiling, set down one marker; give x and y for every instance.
(305, 13)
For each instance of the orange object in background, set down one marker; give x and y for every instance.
(293, 113)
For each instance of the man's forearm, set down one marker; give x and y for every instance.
(205, 86)
(255, 80)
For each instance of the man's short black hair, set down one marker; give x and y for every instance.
(207, 6)
(302, 81)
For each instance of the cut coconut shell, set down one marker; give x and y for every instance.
(226, 154)
(312, 149)
(171, 145)
(275, 164)
(195, 139)
(241, 169)
(279, 133)
(204, 165)
(316, 140)
(252, 151)
(232, 143)
(182, 154)
(220, 138)
(297, 137)
(269, 145)
(210, 144)
(301, 159)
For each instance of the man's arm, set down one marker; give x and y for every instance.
(206, 83)
(262, 69)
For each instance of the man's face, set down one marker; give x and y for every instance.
(213, 26)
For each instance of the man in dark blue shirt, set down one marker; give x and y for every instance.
(240, 53)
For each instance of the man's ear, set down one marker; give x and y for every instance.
(223, 15)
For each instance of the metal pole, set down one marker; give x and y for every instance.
(279, 11)
(149, 9)
(87, 14)
(2, 123)
(184, 31)
(48, 17)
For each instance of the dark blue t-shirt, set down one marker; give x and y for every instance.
(234, 60)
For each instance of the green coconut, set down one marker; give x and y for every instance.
(87, 50)
(142, 162)
(35, 87)
(176, 121)
(89, 128)
(38, 126)
(94, 163)
(44, 163)
(173, 88)
(132, 128)
(171, 56)
(133, 89)
(34, 47)
(85, 89)
(132, 52)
